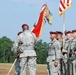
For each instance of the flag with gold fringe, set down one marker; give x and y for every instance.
(64, 4)
(44, 16)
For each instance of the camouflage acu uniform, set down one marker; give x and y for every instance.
(27, 52)
(61, 44)
(73, 57)
(17, 63)
(54, 50)
(61, 59)
(67, 57)
(17, 66)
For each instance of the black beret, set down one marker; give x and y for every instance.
(53, 32)
(59, 32)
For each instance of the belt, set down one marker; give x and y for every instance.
(53, 60)
(50, 54)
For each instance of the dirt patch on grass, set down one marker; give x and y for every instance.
(4, 68)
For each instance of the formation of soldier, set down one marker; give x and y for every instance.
(61, 59)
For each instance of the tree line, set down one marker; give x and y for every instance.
(7, 56)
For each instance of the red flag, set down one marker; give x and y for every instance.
(64, 4)
(37, 28)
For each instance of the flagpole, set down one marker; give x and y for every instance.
(64, 22)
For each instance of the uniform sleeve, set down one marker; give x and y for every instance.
(34, 36)
(66, 46)
(15, 45)
(73, 45)
(57, 51)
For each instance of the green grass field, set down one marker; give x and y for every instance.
(4, 68)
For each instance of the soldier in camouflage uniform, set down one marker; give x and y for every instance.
(53, 59)
(67, 53)
(60, 39)
(17, 63)
(74, 52)
(27, 51)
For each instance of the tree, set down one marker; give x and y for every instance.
(5, 49)
(6, 55)
(41, 50)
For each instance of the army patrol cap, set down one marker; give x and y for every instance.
(19, 33)
(59, 32)
(67, 32)
(73, 31)
(53, 32)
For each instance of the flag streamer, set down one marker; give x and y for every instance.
(44, 16)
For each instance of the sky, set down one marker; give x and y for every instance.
(14, 13)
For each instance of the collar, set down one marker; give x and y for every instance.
(53, 41)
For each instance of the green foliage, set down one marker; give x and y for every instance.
(5, 49)
(7, 56)
(41, 50)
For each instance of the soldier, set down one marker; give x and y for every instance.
(17, 63)
(53, 58)
(60, 39)
(67, 53)
(74, 52)
(27, 52)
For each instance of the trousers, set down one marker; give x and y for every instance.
(17, 67)
(28, 62)
(52, 70)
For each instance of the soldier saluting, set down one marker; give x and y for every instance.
(53, 58)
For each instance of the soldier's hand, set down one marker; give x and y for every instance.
(55, 64)
(17, 55)
(63, 50)
(73, 52)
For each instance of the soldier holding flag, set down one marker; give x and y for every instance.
(64, 4)
(67, 53)
(27, 51)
